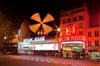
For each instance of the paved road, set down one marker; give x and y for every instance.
(15, 60)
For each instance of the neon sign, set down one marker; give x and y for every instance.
(39, 38)
(74, 38)
(70, 30)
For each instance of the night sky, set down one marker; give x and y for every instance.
(18, 9)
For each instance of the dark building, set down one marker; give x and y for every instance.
(94, 12)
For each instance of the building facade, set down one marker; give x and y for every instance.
(76, 32)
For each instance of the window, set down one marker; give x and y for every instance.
(89, 43)
(80, 17)
(96, 33)
(81, 33)
(89, 34)
(74, 18)
(64, 21)
(80, 25)
(68, 20)
(97, 43)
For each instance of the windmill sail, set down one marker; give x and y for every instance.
(36, 17)
(48, 18)
(46, 28)
(34, 27)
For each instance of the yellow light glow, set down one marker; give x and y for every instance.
(58, 29)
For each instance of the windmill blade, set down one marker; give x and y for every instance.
(48, 18)
(47, 28)
(34, 27)
(36, 17)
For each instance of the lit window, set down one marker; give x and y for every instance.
(89, 43)
(96, 33)
(80, 17)
(89, 34)
(68, 20)
(80, 25)
(97, 43)
(74, 18)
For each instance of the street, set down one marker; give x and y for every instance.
(22, 60)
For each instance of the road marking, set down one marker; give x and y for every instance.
(47, 60)
(54, 61)
(62, 62)
(42, 60)
(36, 59)
(24, 58)
(27, 58)
(32, 59)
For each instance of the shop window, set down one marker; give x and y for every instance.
(89, 34)
(97, 43)
(96, 33)
(80, 17)
(89, 43)
(74, 19)
(68, 20)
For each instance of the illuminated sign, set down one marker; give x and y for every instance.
(73, 38)
(26, 47)
(45, 47)
(39, 38)
(27, 40)
(70, 30)
(38, 47)
(72, 46)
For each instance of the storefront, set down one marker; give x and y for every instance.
(35, 47)
(94, 54)
(71, 47)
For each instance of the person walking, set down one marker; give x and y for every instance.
(67, 55)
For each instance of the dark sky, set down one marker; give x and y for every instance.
(25, 8)
(18, 10)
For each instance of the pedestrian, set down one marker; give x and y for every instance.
(73, 55)
(67, 55)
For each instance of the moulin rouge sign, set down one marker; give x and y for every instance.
(71, 36)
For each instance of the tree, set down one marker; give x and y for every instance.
(5, 24)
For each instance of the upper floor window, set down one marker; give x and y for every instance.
(80, 25)
(74, 19)
(64, 21)
(80, 17)
(89, 34)
(96, 33)
(68, 20)
(81, 33)
(97, 43)
(89, 43)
